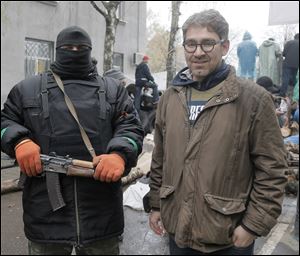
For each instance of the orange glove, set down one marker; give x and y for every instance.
(109, 167)
(28, 157)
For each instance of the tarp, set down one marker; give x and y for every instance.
(133, 195)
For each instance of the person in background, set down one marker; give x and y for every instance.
(269, 60)
(290, 65)
(267, 83)
(36, 120)
(247, 52)
(282, 104)
(296, 99)
(143, 77)
(95, 62)
(217, 171)
(116, 74)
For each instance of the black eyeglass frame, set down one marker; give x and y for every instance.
(200, 44)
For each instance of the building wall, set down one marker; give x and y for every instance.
(43, 20)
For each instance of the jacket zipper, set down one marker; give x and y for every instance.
(191, 129)
(77, 214)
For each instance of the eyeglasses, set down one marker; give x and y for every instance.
(206, 45)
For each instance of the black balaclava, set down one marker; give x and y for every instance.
(73, 64)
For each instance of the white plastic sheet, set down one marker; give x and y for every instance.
(133, 195)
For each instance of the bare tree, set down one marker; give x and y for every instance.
(234, 38)
(157, 48)
(111, 20)
(171, 59)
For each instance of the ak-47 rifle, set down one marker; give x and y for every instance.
(53, 165)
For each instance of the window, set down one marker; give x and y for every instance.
(118, 60)
(38, 56)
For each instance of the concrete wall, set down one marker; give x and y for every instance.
(43, 20)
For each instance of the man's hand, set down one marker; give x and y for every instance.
(242, 238)
(28, 157)
(155, 223)
(109, 167)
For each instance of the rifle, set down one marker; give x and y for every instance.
(53, 165)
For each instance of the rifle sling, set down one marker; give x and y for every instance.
(44, 93)
(70, 105)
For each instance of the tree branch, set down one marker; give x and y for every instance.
(98, 9)
(110, 4)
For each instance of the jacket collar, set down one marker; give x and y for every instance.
(229, 91)
(184, 78)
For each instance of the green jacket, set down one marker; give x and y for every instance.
(269, 60)
(225, 169)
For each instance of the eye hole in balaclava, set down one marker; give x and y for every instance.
(74, 47)
(73, 54)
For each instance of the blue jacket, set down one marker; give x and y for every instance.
(247, 52)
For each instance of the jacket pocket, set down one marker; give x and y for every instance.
(32, 113)
(165, 191)
(221, 216)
